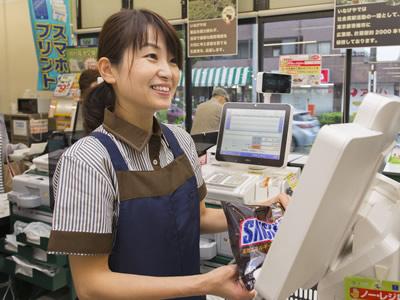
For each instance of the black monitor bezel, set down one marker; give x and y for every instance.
(255, 161)
(276, 76)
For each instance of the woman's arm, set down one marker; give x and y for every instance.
(94, 280)
(212, 220)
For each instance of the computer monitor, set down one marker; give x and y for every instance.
(204, 141)
(255, 134)
(78, 129)
(341, 221)
(274, 83)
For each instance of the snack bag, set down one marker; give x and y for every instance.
(251, 231)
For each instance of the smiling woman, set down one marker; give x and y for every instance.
(127, 39)
(128, 197)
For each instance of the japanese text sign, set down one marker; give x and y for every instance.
(212, 27)
(366, 23)
(305, 69)
(50, 21)
(360, 288)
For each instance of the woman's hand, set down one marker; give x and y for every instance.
(224, 282)
(281, 198)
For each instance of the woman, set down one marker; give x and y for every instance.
(128, 210)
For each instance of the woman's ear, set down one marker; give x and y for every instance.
(105, 69)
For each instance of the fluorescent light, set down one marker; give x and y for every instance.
(307, 86)
(313, 27)
(391, 68)
(332, 55)
(393, 73)
(290, 43)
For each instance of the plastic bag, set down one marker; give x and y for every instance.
(251, 231)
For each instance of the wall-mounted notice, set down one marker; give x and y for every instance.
(212, 27)
(366, 23)
(305, 69)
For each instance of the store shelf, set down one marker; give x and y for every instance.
(27, 252)
(3, 249)
(43, 241)
(7, 265)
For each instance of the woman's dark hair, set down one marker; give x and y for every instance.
(127, 29)
(87, 78)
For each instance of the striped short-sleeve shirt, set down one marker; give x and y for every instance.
(86, 186)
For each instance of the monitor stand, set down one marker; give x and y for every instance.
(256, 169)
(267, 97)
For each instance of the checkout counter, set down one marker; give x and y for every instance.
(31, 217)
(248, 164)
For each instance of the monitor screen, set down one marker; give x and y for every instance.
(78, 130)
(204, 141)
(276, 83)
(78, 122)
(27, 105)
(254, 133)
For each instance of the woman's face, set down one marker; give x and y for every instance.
(148, 82)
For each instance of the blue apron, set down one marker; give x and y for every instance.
(156, 235)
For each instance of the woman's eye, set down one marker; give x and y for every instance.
(152, 55)
(173, 60)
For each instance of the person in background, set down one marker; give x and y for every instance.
(208, 114)
(6, 147)
(88, 80)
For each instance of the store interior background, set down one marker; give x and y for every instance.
(267, 29)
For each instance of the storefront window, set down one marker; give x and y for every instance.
(317, 104)
(234, 73)
(374, 70)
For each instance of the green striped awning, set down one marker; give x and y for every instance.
(221, 76)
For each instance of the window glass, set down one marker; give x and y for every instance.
(234, 73)
(374, 70)
(324, 47)
(311, 48)
(316, 105)
(289, 46)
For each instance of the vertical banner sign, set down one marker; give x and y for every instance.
(305, 69)
(366, 23)
(51, 32)
(213, 27)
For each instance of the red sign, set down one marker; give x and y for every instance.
(325, 76)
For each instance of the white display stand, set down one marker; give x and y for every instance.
(344, 217)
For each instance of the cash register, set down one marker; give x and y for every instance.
(250, 161)
(251, 154)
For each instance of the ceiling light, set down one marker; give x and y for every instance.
(290, 43)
